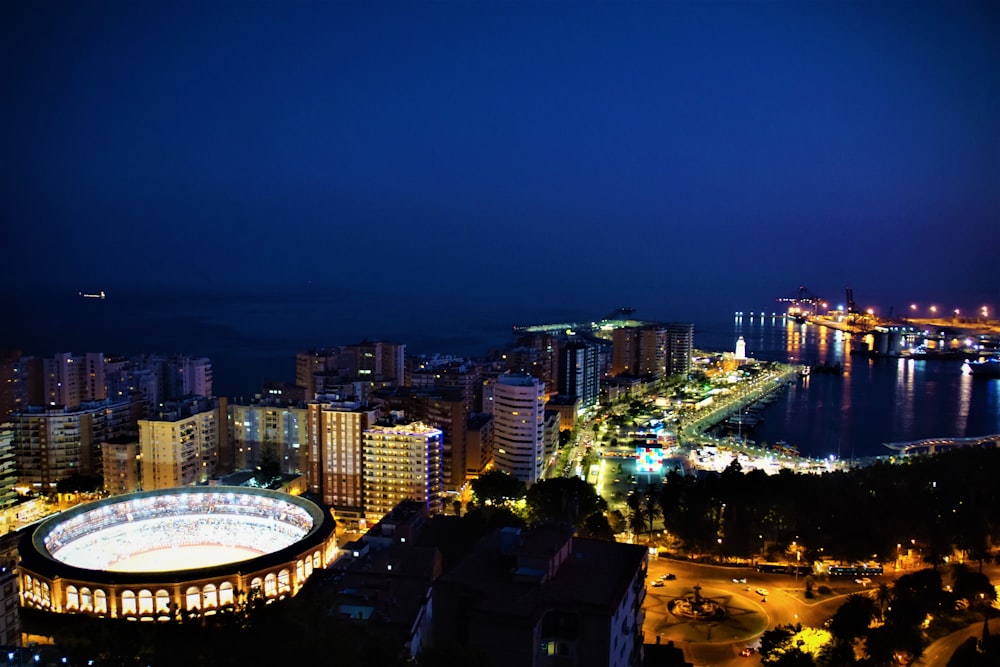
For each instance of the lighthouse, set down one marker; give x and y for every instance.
(741, 349)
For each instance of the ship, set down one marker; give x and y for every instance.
(98, 295)
(988, 368)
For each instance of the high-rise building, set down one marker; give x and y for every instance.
(311, 363)
(180, 445)
(478, 444)
(120, 461)
(52, 443)
(8, 467)
(443, 409)
(401, 463)
(66, 380)
(680, 347)
(335, 459)
(378, 361)
(13, 383)
(537, 355)
(625, 353)
(655, 350)
(187, 376)
(517, 403)
(269, 424)
(579, 373)
(448, 373)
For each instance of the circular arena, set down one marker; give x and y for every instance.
(158, 555)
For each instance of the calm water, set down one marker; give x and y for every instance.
(253, 338)
(870, 402)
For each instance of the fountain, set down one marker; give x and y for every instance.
(696, 608)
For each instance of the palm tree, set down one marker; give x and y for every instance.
(883, 596)
(636, 517)
(651, 507)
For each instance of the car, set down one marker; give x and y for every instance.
(657, 583)
(748, 651)
(742, 580)
(864, 581)
(669, 576)
(762, 592)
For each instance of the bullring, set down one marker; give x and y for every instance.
(156, 555)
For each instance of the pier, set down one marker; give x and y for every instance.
(931, 445)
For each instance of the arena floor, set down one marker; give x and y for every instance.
(182, 558)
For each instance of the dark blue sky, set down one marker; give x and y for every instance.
(643, 153)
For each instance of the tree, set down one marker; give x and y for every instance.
(596, 526)
(77, 483)
(497, 487)
(616, 521)
(973, 586)
(853, 618)
(883, 596)
(268, 469)
(773, 642)
(651, 506)
(563, 500)
(635, 518)
(836, 654)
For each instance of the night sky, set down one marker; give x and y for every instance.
(623, 152)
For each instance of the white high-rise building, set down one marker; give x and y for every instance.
(517, 403)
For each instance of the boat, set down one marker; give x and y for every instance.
(988, 368)
(98, 295)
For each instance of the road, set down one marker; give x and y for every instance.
(720, 644)
(938, 653)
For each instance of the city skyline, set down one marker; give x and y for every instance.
(643, 154)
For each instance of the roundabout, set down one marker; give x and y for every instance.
(684, 614)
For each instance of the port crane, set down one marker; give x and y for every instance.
(802, 302)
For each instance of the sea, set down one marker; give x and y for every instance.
(252, 338)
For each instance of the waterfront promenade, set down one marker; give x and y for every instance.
(708, 452)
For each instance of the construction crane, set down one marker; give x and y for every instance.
(852, 308)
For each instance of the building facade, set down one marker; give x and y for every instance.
(579, 373)
(517, 403)
(542, 597)
(680, 348)
(120, 463)
(402, 463)
(52, 443)
(283, 427)
(180, 446)
(335, 459)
